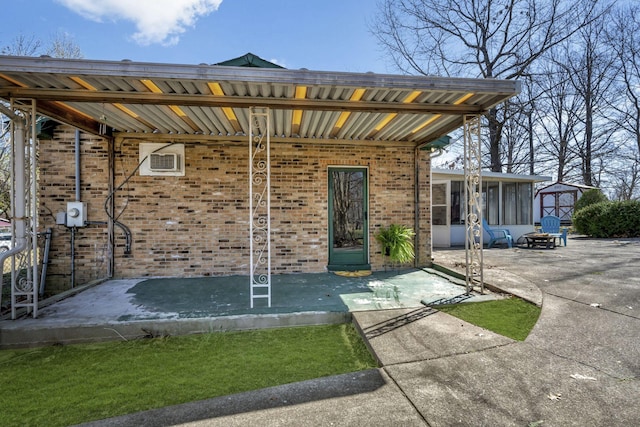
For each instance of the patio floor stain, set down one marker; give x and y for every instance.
(323, 292)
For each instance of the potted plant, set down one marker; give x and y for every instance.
(397, 242)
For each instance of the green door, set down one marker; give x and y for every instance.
(348, 219)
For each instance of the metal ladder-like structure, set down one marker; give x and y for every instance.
(260, 205)
(473, 204)
(24, 216)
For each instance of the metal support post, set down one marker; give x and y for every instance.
(24, 216)
(473, 203)
(260, 204)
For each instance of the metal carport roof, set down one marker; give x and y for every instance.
(212, 100)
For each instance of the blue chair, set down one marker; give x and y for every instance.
(550, 224)
(497, 234)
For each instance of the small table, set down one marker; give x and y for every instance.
(540, 239)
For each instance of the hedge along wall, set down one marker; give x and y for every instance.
(197, 225)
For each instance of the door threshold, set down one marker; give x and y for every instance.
(348, 267)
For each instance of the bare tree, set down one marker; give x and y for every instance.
(590, 68)
(625, 179)
(624, 40)
(478, 38)
(60, 46)
(22, 45)
(556, 118)
(514, 141)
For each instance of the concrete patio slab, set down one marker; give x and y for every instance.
(401, 336)
(126, 309)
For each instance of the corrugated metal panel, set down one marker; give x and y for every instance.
(116, 90)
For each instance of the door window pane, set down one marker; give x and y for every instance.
(439, 204)
(509, 203)
(491, 202)
(457, 207)
(525, 203)
(517, 203)
(348, 209)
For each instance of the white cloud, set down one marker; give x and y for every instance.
(156, 21)
(278, 62)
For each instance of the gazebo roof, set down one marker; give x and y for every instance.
(214, 100)
(249, 60)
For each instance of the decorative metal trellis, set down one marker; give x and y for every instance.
(260, 204)
(473, 203)
(24, 218)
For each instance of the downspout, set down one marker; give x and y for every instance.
(78, 182)
(416, 200)
(73, 229)
(110, 209)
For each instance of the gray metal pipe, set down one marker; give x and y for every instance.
(73, 257)
(7, 112)
(73, 229)
(45, 259)
(77, 153)
(126, 230)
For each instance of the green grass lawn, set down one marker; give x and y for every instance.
(511, 317)
(59, 386)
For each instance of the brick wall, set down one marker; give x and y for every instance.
(197, 225)
(56, 183)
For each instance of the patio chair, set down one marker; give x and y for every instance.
(551, 224)
(497, 234)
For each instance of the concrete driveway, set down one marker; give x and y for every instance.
(579, 366)
(581, 363)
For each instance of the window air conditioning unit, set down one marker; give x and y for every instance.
(164, 162)
(160, 159)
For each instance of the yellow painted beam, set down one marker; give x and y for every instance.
(117, 105)
(384, 122)
(149, 84)
(300, 93)
(228, 112)
(342, 119)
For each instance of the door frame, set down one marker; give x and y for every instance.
(363, 263)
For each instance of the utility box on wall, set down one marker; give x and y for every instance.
(76, 214)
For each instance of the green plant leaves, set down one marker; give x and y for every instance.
(397, 242)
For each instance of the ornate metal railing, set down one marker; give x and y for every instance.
(260, 204)
(24, 216)
(473, 203)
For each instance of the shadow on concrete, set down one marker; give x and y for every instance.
(397, 322)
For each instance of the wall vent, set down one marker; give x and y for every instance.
(158, 159)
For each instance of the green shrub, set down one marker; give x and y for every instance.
(609, 219)
(590, 197)
(397, 242)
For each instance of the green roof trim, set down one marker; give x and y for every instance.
(438, 144)
(249, 60)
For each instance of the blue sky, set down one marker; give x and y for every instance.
(331, 35)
